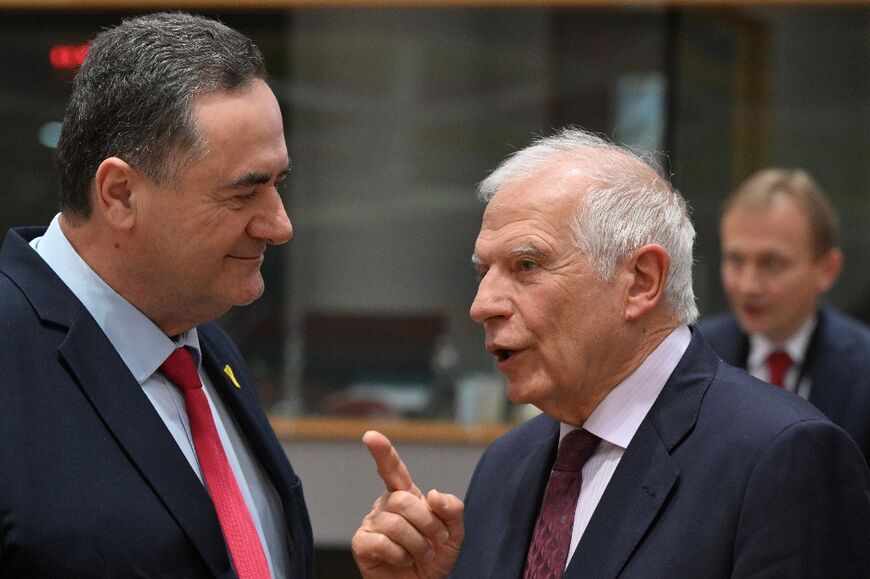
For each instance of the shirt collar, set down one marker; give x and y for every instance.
(142, 345)
(617, 418)
(796, 346)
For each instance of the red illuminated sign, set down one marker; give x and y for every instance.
(67, 56)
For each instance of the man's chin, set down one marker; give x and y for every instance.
(518, 393)
(752, 324)
(244, 295)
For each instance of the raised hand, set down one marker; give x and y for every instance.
(406, 534)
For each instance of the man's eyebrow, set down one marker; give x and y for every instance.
(257, 178)
(521, 251)
(527, 251)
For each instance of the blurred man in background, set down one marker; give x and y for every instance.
(133, 443)
(779, 237)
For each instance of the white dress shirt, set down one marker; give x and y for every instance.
(796, 347)
(143, 347)
(615, 421)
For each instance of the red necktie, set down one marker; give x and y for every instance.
(778, 364)
(551, 540)
(238, 528)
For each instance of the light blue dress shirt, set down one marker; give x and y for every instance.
(143, 347)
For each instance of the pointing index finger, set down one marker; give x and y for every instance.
(391, 469)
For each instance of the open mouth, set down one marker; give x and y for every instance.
(503, 354)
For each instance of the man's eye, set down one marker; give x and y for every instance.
(247, 196)
(733, 260)
(527, 265)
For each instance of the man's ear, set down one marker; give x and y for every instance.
(648, 270)
(115, 183)
(829, 267)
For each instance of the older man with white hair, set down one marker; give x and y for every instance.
(652, 457)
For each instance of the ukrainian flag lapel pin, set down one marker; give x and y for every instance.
(229, 372)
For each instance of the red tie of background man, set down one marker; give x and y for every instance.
(235, 519)
(551, 540)
(778, 364)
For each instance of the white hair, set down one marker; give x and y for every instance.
(626, 205)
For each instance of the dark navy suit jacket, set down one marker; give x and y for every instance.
(837, 364)
(726, 477)
(92, 484)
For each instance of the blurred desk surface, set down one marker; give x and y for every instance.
(325, 428)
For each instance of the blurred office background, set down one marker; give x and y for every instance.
(394, 111)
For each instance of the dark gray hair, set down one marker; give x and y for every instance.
(133, 98)
(628, 203)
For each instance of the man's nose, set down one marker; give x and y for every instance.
(745, 280)
(272, 223)
(749, 279)
(492, 299)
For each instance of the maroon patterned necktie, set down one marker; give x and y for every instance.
(778, 364)
(551, 540)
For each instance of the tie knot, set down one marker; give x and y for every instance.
(779, 358)
(180, 368)
(778, 364)
(575, 449)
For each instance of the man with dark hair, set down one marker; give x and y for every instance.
(133, 440)
(779, 237)
(652, 458)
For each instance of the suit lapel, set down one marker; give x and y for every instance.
(239, 397)
(646, 475)
(827, 362)
(532, 475)
(639, 487)
(128, 415)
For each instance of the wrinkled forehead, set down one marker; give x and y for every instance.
(554, 192)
